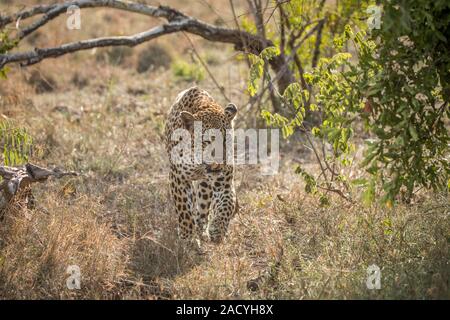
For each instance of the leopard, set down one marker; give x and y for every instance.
(203, 194)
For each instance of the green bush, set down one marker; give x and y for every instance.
(406, 81)
(15, 143)
(398, 87)
(188, 71)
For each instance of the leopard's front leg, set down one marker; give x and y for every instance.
(183, 197)
(204, 197)
(223, 205)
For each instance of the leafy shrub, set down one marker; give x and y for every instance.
(406, 81)
(188, 71)
(16, 144)
(398, 87)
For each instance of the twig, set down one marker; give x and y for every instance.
(236, 22)
(283, 21)
(338, 192)
(221, 88)
(219, 15)
(317, 156)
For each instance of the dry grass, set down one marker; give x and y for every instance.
(38, 246)
(105, 120)
(294, 249)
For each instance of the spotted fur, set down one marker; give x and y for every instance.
(203, 194)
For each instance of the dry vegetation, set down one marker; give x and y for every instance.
(101, 113)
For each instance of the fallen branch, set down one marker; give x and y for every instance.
(19, 178)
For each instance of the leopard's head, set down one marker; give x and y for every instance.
(213, 125)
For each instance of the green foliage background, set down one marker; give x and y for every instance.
(394, 80)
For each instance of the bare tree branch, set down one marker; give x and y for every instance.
(283, 21)
(53, 10)
(316, 54)
(31, 57)
(176, 22)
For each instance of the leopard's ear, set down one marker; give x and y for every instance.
(230, 111)
(188, 120)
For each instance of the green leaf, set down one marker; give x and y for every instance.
(315, 131)
(368, 195)
(269, 53)
(293, 94)
(413, 133)
(313, 107)
(359, 182)
(256, 72)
